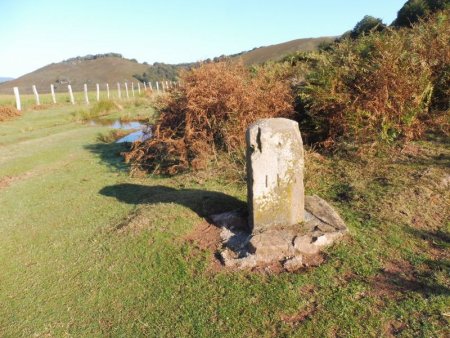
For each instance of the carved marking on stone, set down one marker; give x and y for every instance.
(275, 174)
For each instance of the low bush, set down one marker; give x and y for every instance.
(208, 115)
(8, 112)
(384, 87)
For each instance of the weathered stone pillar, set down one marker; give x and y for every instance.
(275, 163)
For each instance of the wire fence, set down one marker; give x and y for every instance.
(90, 93)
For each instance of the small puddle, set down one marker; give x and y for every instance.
(142, 131)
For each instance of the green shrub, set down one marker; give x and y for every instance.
(413, 10)
(367, 25)
(381, 87)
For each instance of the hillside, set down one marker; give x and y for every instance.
(112, 68)
(4, 79)
(77, 71)
(277, 51)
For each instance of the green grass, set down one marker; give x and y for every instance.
(87, 250)
(28, 101)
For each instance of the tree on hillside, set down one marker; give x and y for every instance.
(366, 25)
(413, 10)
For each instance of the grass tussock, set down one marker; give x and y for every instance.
(99, 109)
(382, 87)
(7, 113)
(209, 113)
(104, 107)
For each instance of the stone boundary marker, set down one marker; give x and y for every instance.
(275, 163)
(283, 225)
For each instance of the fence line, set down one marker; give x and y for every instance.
(161, 86)
(36, 94)
(86, 97)
(72, 100)
(17, 95)
(126, 90)
(52, 89)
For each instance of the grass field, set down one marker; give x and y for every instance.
(87, 250)
(28, 101)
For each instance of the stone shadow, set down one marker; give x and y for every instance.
(203, 202)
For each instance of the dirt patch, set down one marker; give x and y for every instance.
(133, 223)
(393, 328)
(205, 236)
(399, 278)
(313, 260)
(395, 278)
(300, 316)
(40, 107)
(8, 180)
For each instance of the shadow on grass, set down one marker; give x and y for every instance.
(435, 153)
(437, 238)
(202, 202)
(109, 153)
(426, 279)
(414, 281)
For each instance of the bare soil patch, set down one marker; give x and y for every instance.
(9, 180)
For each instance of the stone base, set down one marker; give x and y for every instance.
(288, 245)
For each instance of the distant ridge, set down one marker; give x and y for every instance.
(113, 67)
(5, 78)
(77, 71)
(278, 51)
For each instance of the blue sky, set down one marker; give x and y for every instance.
(34, 33)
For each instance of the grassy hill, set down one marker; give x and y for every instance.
(112, 68)
(77, 71)
(276, 52)
(4, 79)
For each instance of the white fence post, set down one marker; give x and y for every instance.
(107, 90)
(17, 95)
(139, 88)
(36, 95)
(150, 85)
(145, 86)
(157, 86)
(98, 92)
(132, 88)
(69, 87)
(86, 98)
(126, 90)
(119, 94)
(52, 89)
(167, 85)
